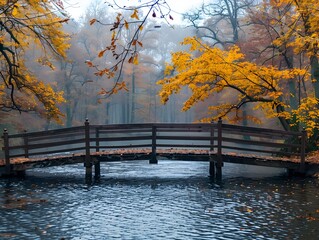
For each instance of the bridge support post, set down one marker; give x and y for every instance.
(6, 152)
(153, 159)
(97, 169)
(302, 168)
(87, 160)
(219, 163)
(211, 167)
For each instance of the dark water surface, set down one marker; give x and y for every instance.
(171, 200)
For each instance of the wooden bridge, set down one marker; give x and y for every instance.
(215, 143)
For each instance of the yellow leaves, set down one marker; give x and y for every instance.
(16, 10)
(135, 14)
(207, 71)
(133, 59)
(307, 113)
(33, 24)
(46, 62)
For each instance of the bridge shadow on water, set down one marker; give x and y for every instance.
(139, 173)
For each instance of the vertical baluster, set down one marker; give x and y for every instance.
(88, 163)
(26, 144)
(211, 159)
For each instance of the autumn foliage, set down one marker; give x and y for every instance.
(290, 58)
(26, 26)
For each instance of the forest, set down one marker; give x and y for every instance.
(249, 62)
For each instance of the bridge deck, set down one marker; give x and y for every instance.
(19, 164)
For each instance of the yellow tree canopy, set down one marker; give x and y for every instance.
(209, 71)
(215, 70)
(25, 25)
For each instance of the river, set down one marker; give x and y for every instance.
(170, 200)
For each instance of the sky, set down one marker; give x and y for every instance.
(77, 7)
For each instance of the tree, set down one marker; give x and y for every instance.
(220, 21)
(24, 25)
(215, 70)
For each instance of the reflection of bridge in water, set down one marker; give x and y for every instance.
(215, 143)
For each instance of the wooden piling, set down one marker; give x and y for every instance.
(153, 159)
(211, 167)
(302, 168)
(97, 169)
(6, 152)
(87, 160)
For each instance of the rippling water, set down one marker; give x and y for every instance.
(171, 200)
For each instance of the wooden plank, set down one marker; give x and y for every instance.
(243, 134)
(184, 138)
(59, 136)
(184, 146)
(48, 132)
(123, 146)
(49, 144)
(123, 126)
(259, 143)
(125, 131)
(184, 125)
(255, 129)
(127, 138)
(273, 152)
(50, 152)
(185, 130)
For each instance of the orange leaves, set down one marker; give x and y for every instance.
(89, 63)
(127, 53)
(102, 53)
(138, 42)
(116, 88)
(126, 25)
(133, 59)
(92, 21)
(134, 15)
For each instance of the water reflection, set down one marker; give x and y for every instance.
(171, 200)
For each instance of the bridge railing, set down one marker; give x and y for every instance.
(152, 136)
(215, 137)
